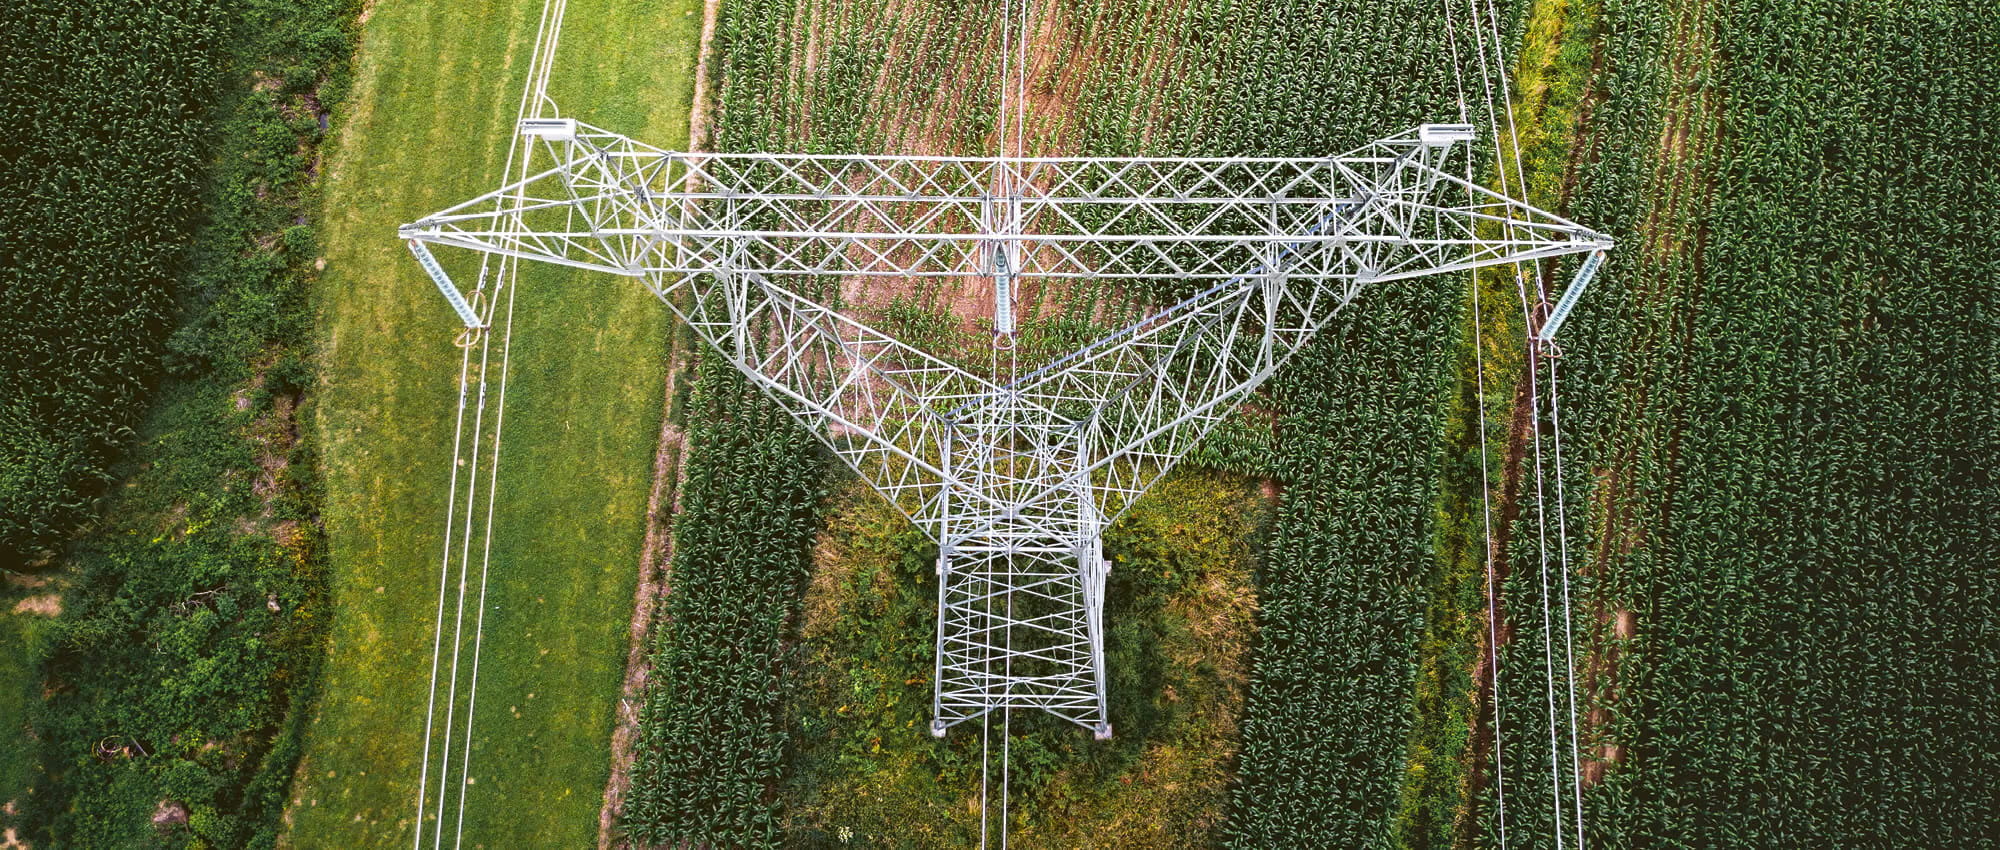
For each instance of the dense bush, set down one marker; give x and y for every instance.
(178, 676)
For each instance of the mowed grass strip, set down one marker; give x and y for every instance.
(427, 126)
(24, 618)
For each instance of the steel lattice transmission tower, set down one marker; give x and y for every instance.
(1015, 472)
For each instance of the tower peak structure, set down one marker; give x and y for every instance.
(1015, 469)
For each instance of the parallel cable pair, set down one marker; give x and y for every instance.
(1014, 68)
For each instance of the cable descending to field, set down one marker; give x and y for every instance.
(1562, 543)
(496, 278)
(1490, 30)
(509, 273)
(444, 569)
(1487, 560)
(1014, 71)
(1492, 64)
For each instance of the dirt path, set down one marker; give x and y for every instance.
(662, 503)
(699, 120)
(655, 568)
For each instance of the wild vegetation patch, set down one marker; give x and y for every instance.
(186, 643)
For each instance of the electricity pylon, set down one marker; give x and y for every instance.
(1014, 475)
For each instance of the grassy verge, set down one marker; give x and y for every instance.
(1178, 616)
(20, 644)
(436, 91)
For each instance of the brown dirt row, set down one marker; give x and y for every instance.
(699, 120)
(1681, 186)
(655, 571)
(1685, 185)
(662, 503)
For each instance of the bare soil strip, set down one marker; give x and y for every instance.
(657, 555)
(655, 569)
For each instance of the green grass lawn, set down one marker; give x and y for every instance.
(437, 85)
(19, 632)
(1178, 615)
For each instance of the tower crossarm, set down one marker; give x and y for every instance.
(609, 203)
(1146, 395)
(755, 251)
(872, 398)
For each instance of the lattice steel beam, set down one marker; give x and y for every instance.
(1014, 476)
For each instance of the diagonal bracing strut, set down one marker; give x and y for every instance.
(1014, 476)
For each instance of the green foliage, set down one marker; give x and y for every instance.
(177, 678)
(172, 675)
(1783, 409)
(101, 170)
(1357, 435)
(22, 635)
(1244, 444)
(114, 109)
(711, 743)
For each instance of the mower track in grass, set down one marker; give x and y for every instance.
(437, 87)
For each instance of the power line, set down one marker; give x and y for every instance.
(1562, 541)
(1487, 563)
(444, 573)
(501, 276)
(1534, 351)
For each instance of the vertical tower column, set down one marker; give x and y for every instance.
(1020, 581)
